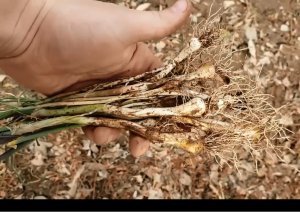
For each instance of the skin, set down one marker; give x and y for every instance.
(76, 43)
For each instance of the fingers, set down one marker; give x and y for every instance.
(138, 145)
(141, 61)
(148, 25)
(103, 135)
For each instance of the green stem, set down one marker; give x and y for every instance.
(40, 134)
(75, 110)
(21, 129)
(25, 140)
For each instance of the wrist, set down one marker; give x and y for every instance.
(20, 20)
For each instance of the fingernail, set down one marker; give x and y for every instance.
(180, 6)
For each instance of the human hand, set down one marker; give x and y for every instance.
(81, 42)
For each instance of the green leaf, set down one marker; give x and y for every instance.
(13, 112)
(23, 141)
(6, 155)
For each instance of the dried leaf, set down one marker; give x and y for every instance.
(251, 33)
(155, 194)
(143, 6)
(251, 47)
(185, 179)
(38, 159)
(286, 120)
(227, 4)
(2, 77)
(284, 28)
(40, 197)
(73, 184)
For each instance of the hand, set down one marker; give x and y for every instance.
(81, 42)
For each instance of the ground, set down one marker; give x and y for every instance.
(266, 37)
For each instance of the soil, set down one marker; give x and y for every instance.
(266, 46)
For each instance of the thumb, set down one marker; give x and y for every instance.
(148, 25)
